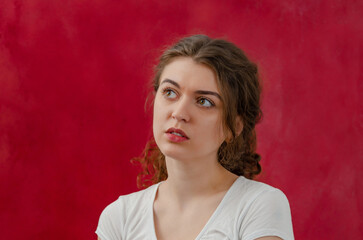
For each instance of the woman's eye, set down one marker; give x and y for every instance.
(205, 102)
(169, 93)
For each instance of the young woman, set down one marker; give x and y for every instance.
(205, 109)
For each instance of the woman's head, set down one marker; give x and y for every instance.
(239, 88)
(187, 121)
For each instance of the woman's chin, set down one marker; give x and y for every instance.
(172, 152)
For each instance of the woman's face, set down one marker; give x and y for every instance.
(187, 121)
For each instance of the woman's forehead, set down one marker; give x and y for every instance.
(185, 72)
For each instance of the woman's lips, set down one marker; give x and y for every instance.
(176, 135)
(175, 138)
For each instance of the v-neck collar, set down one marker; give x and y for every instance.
(210, 220)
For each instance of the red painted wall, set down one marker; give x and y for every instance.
(73, 80)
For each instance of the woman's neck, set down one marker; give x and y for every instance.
(190, 180)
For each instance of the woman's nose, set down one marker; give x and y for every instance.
(181, 110)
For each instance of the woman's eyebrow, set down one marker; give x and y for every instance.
(202, 92)
(170, 81)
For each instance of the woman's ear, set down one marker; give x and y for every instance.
(239, 125)
(238, 129)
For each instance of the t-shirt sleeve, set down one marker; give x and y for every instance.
(268, 215)
(110, 222)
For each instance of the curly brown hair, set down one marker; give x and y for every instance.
(240, 89)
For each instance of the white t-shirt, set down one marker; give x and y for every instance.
(249, 210)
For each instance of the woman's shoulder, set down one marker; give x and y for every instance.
(253, 195)
(141, 194)
(133, 200)
(264, 196)
(262, 207)
(253, 188)
(127, 208)
(130, 203)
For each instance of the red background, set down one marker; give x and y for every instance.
(73, 81)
